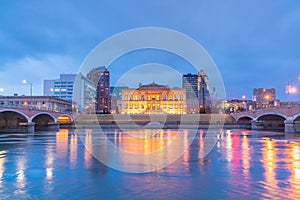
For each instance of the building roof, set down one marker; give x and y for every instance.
(153, 86)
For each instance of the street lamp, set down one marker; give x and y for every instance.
(1, 90)
(25, 82)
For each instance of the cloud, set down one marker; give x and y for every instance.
(36, 70)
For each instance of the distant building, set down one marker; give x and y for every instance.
(197, 92)
(84, 94)
(264, 98)
(61, 88)
(38, 103)
(190, 84)
(153, 99)
(203, 95)
(95, 74)
(116, 98)
(101, 77)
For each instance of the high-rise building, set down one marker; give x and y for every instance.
(203, 92)
(95, 74)
(264, 97)
(190, 84)
(101, 77)
(61, 88)
(197, 92)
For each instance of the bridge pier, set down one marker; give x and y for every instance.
(257, 125)
(47, 127)
(19, 128)
(291, 126)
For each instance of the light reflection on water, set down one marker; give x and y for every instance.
(243, 164)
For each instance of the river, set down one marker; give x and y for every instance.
(243, 164)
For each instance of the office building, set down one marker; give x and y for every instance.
(197, 92)
(265, 97)
(61, 88)
(100, 76)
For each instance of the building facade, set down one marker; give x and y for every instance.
(197, 92)
(265, 97)
(37, 103)
(101, 77)
(61, 88)
(190, 84)
(116, 98)
(203, 92)
(154, 99)
(84, 94)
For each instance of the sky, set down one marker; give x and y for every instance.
(254, 43)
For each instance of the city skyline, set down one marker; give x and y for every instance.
(251, 49)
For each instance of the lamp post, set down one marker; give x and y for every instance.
(1, 90)
(25, 82)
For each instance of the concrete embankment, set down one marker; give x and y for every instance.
(201, 121)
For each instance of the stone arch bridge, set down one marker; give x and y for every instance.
(285, 118)
(28, 120)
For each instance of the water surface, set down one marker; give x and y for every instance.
(242, 164)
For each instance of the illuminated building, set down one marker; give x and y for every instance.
(101, 77)
(153, 99)
(264, 98)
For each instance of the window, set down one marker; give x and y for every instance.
(181, 97)
(143, 98)
(125, 97)
(136, 97)
(149, 97)
(176, 106)
(153, 97)
(157, 97)
(176, 97)
(180, 106)
(171, 106)
(164, 98)
(171, 97)
(130, 97)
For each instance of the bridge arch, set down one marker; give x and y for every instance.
(244, 117)
(64, 119)
(272, 121)
(271, 114)
(12, 118)
(296, 118)
(42, 118)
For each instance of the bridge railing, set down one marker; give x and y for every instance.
(33, 108)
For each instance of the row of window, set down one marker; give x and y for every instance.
(153, 97)
(154, 106)
(63, 86)
(63, 82)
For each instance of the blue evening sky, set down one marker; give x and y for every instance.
(253, 43)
